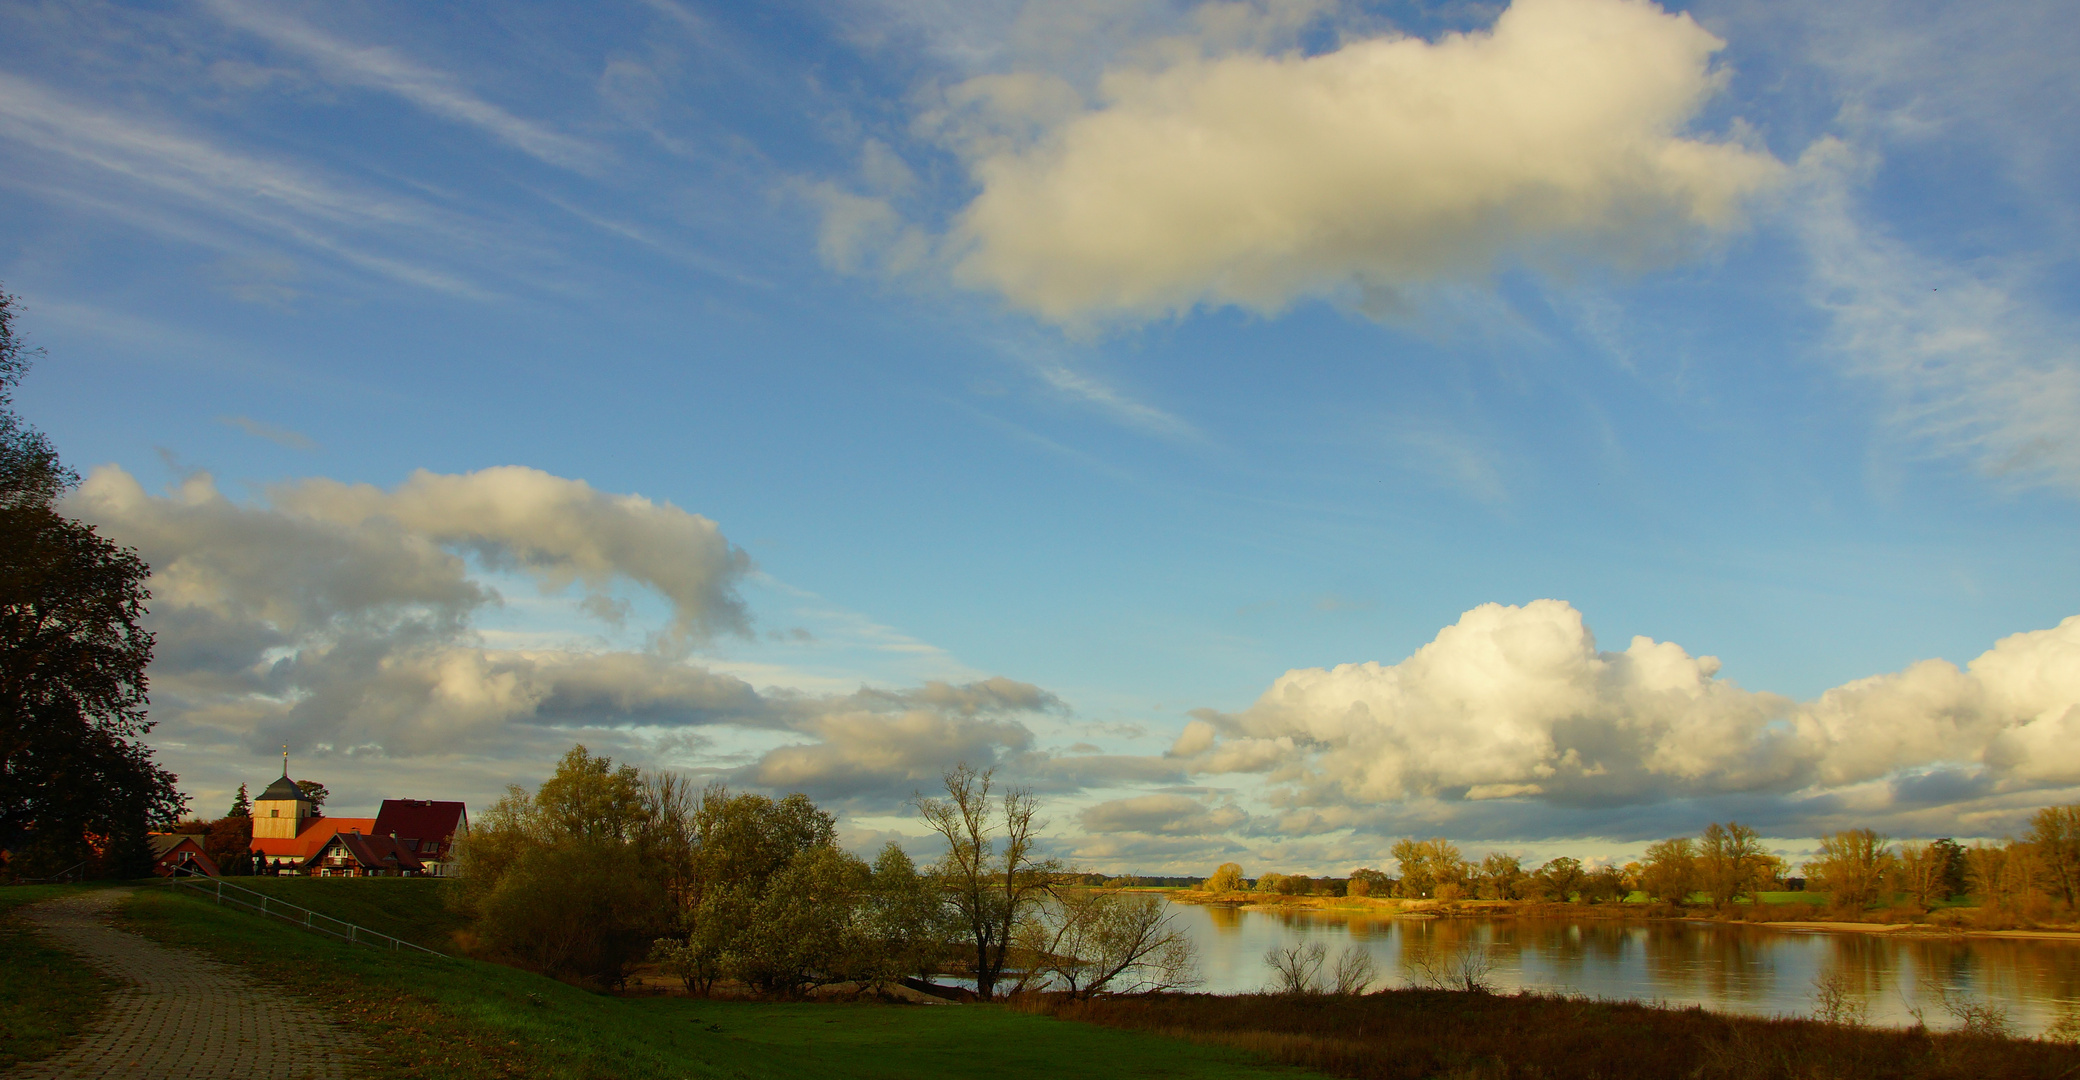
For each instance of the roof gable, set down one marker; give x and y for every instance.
(420, 819)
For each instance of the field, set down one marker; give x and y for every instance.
(407, 908)
(432, 1017)
(44, 994)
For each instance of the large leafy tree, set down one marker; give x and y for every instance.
(77, 783)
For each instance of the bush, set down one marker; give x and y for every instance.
(581, 911)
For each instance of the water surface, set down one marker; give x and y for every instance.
(1727, 967)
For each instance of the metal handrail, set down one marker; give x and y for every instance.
(287, 912)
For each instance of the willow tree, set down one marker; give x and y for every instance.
(992, 874)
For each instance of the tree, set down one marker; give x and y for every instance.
(991, 884)
(1227, 878)
(1428, 864)
(1730, 859)
(242, 806)
(77, 783)
(1919, 871)
(1296, 968)
(1500, 877)
(1670, 872)
(2055, 832)
(1956, 869)
(904, 916)
(1366, 881)
(1559, 879)
(1604, 884)
(1852, 868)
(316, 793)
(229, 843)
(30, 473)
(559, 879)
(1095, 942)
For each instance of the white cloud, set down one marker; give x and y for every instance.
(1208, 172)
(1517, 704)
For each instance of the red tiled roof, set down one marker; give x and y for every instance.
(431, 823)
(315, 832)
(372, 852)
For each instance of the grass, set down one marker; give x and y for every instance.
(429, 1017)
(46, 995)
(1420, 1034)
(407, 908)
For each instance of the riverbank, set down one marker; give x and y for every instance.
(1412, 1034)
(1775, 914)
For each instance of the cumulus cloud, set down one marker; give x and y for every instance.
(1517, 703)
(1219, 171)
(1164, 814)
(341, 619)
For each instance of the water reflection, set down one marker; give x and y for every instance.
(1729, 967)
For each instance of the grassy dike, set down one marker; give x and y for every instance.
(431, 1017)
(46, 995)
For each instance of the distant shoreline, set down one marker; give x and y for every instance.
(1398, 908)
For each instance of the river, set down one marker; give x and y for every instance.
(1726, 967)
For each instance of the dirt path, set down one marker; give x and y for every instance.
(184, 1016)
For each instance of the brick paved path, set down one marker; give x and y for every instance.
(186, 1017)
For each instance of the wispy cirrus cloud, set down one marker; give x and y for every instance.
(260, 195)
(436, 92)
(280, 436)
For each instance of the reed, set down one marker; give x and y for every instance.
(1414, 1034)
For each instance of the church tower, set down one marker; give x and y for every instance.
(281, 810)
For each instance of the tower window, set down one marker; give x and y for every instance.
(274, 813)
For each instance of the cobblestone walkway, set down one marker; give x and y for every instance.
(185, 1017)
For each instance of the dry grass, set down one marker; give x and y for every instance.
(1421, 1034)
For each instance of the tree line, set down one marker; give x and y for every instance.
(604, 867)
(2030, 877)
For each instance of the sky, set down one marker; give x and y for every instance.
(1263, 430)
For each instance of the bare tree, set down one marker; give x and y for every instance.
(1355, 971)
(1105, 942)
(990, 873)
(1296, 968)
(1466, 968)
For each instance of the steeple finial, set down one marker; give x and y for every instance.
(285, 761)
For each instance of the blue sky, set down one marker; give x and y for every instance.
(1059, 370)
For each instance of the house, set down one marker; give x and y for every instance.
(357, 855)
(178, 853)
(290, 835)
(426, 828)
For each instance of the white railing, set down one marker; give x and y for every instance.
(224, 892)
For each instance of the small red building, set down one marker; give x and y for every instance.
(354, 855)
(174, 853)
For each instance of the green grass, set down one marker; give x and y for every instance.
(46, 995)
(464, 1019)
(407, 908)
